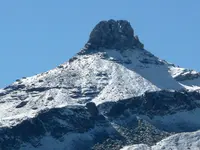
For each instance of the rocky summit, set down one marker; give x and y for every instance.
(113, 34)
(112, 95)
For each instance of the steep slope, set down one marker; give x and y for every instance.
(133, 90)
(99, 77)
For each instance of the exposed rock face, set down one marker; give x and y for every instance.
(55, 122)
(78, 127)
(153, 103)
(113, 34)
(92, 109)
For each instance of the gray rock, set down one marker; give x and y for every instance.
(113, 34)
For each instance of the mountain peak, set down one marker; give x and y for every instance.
(114, 94)
(113, 34)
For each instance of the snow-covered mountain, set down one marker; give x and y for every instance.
(111, 94)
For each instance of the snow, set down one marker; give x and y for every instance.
(189, 84)
(107, 75)
(181, 141)
(137, 147)
(1, 90)
(175, 71)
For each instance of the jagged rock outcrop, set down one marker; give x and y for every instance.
(113, 34)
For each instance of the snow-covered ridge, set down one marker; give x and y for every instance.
(108, 75)
(182, 74)
(188, 78)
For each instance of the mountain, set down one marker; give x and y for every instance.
(111, 94)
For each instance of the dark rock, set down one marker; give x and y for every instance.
(152, 103)
(92, 108)
(41, 81)
(50, 98)
(117, 109)
(15, 87)
(113, 34)
(22, 104)
(12, 88)
(60, 66)
(139, 44)
(101, 74)
(2, 94)
(38, 89)
(34, 108)
(72, 59)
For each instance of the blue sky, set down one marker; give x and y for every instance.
(38, 35)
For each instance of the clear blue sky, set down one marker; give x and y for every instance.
(38, 35)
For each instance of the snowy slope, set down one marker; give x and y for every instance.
(109, 75)
(190, 79)
(181, 141)
(137, 147)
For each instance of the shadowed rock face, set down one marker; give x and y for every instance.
(92, 108)
(111, 125)
(55, 122)
(113, 34)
